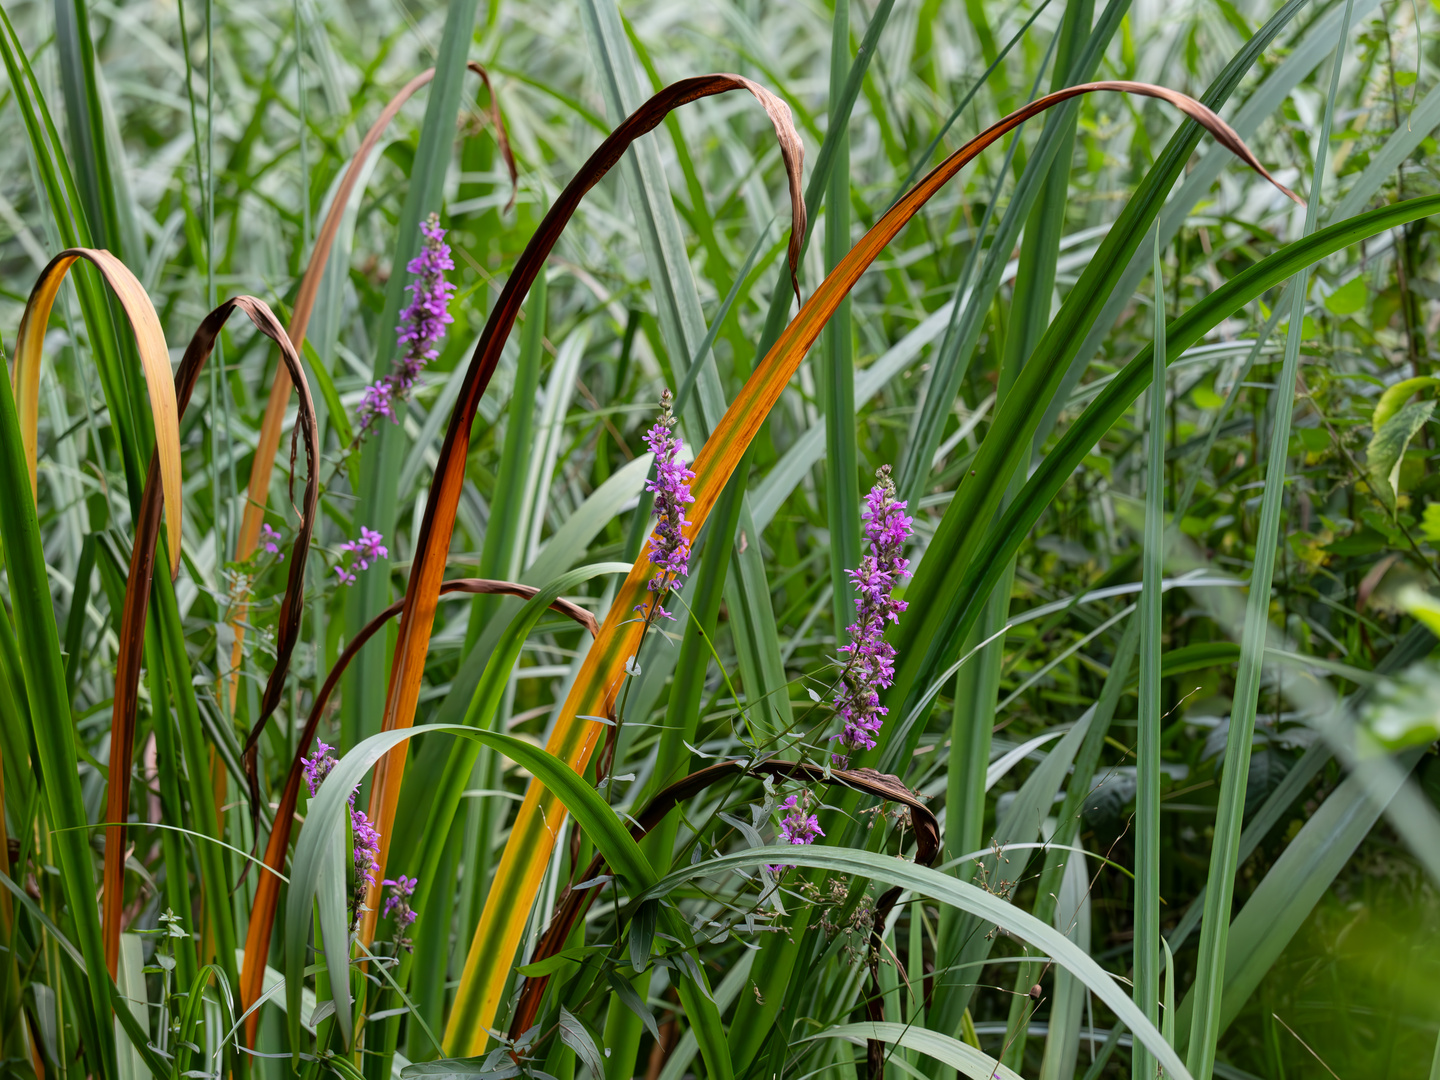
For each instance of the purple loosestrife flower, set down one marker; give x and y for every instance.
(421, 326)
(367, 549)
(377, 402)
(423, 321)
(366, 858)
(366, 855)
(669, 548)
(871, 659)
(397, 902)
(797, 826)
(364, 551)
(270, 540)
(318, 766)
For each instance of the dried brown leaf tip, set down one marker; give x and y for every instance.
(792, 153)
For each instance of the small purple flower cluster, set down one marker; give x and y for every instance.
(366, 550)
(797, 826)
(669, 547)
(366, 855)
(270, 541)
(871, 664)
(397, 902)
(422, 325)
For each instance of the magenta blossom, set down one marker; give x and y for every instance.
(397, 902)
(364, 551)
(871, 665)
(365, 857)
(669, 549)
(376, 402)
(421, 327)
(797, 826)
(367, 549)
(270, 540)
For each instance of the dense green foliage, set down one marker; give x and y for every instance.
(1164, 716)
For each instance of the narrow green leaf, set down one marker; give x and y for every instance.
(1208, 989)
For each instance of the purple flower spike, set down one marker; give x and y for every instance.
(871, 665)
(270, 540)
(397, 902)
(366, 855)
(423, 321)
(420, 329)
(797, 826)
(345, 576)
(669, 548)
(318, 767)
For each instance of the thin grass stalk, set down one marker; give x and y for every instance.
(1208, 991)
(85, 120)
(1147, 747)
(837, 361)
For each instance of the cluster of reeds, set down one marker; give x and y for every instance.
(743, 826)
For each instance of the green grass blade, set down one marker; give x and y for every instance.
(836, 374)
(1208, 991)
(48, 698)
(1288, 893)
(923, 881)
(1147, 748)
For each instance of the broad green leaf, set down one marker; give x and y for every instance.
(1348, 298)
(1386, 452)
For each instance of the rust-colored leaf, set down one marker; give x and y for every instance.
(597, 685)
(142, 570)
(271, 424)
(433, 541)
(267, 889)
(154, 358)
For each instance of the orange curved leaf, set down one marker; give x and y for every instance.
(154, 358)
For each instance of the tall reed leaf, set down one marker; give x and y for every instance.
(1224, 856)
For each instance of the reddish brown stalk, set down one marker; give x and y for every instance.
(433, 539)
(140, 579)
(267, 889)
